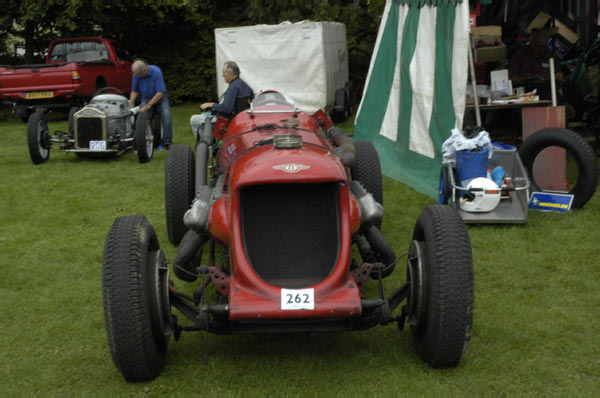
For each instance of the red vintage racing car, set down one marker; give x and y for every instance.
(279, 198)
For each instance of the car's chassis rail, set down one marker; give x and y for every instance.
(214, 317)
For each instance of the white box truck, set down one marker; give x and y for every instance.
(307, 61)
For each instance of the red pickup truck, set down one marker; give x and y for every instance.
(75, 69)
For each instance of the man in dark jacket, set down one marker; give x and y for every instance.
(237, 89)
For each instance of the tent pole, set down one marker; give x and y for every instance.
(552, 82)
(474, 84)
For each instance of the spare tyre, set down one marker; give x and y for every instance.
(587, 165)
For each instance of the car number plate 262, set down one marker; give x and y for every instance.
(297, 299)
(97, 145)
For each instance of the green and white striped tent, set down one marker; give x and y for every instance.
(415, 90)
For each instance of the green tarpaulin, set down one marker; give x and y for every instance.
(415, 89)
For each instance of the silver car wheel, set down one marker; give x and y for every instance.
(40, 135)
(149, 138)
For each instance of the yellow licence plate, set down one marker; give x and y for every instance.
(39, 94)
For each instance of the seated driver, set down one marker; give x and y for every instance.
(237, 89)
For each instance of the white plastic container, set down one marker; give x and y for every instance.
(306, 61)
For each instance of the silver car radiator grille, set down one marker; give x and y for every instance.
(88, 129)
(291, 232)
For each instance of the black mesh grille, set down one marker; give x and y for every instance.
(88, 129)
(291, 232)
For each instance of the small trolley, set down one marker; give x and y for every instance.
(514, 191)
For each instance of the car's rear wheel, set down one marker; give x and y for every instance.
(157, 128)
(445, 194)
(367, 169)
(144, 137)
(179, 189)
(440, 273)
(136, 300)
(72, 111)
(38, 138)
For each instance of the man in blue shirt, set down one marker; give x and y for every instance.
(148, 80)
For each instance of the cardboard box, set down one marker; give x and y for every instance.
(542, 20)
(501, 84)
(481, 73)
(565, 32)
(560, 47)
(487, 42)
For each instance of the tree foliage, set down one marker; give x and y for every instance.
(36, 22)
(178, 35)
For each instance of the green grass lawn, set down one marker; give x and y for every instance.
(537, 304)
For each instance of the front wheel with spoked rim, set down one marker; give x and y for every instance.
(38, 138)
(144, 137)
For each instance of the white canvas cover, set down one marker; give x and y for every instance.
(307, 61)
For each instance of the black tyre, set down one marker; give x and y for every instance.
(38, 138)
(367, 169)
(575, 145)
(72, 111)
(445, 187)
(157, 128)
(440, 272)
(340, 116)
(179, 189)
(23, 113)
(144, 137)
(135, 296)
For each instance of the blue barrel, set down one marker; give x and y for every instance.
(471, 164)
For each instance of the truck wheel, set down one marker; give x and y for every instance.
(157, 128)
(367, 169)
(440, 273)
(136, 300)
(574, 144)
(179, 189)
(144, 138)
(340, 114)
(100, 85)
(348, 96)
(72, 111)
(22, 112)
(38, 138)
